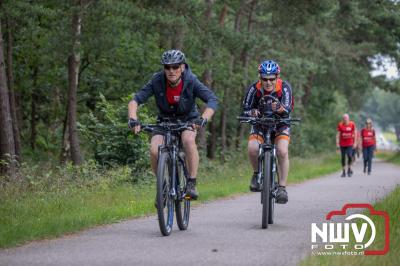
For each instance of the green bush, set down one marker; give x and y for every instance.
(111, 140)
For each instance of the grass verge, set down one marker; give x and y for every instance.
(31, 215)
(389, 156)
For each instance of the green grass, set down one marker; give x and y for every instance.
(30, 214)
(391, 157)
(391, 205)
(391, 136)
(39, 216)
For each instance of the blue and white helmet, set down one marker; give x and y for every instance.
(268, 67)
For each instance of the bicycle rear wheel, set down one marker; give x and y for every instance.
(165, 202)
(266, 193)
(182, 205)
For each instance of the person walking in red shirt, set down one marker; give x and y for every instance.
(368, 144)
(346, 141)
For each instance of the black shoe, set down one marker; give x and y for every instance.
(343, 174)
(349, 172)
(281, 195)
(191, 191)
(254, 185)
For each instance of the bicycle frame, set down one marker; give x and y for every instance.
(172, 144)
(171, 133)
(267, 146)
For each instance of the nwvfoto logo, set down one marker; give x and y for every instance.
(332, 233)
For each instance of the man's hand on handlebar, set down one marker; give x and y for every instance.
(134, 125)
(277, 107)
(199, 123)
(252, 112)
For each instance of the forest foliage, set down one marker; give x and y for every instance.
(325, 50)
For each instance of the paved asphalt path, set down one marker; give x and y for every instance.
(223, 232)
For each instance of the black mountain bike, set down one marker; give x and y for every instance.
(268, 178)
(172, 175)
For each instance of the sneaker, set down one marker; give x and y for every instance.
(281, 195)
(343, 174)
(191, 190)
(254, 185)
(369, 173)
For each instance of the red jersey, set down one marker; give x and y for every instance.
(174, 93)
(368, 137)
(347, 133)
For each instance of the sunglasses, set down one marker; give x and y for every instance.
(265, 79)
(174, 67)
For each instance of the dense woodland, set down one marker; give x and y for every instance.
(69, 68)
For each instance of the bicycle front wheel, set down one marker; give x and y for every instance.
(266, 193)
(182, 205)
(165, 205)
(274, 181)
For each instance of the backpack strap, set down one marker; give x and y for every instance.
(278, 87)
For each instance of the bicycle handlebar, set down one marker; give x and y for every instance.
(267, 120)
(167, 126)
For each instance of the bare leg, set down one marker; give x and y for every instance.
(282, 147)
(190, 148)
(156, 141)
(252, 148)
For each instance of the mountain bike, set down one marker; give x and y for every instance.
(172, 176)
(268, 177)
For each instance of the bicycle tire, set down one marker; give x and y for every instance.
(182, 205)
(266, 194)
(165, 206)
(271, 198)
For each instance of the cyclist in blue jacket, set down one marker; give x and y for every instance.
(175, 89)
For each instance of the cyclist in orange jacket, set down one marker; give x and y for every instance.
(269, 83)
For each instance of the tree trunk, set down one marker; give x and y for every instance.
(207, 74)
(307, 90)
(65, 150)
(397, 130)
(225, 111)
(212, 144)
(246, 58)
(225, 100)
(178, 38)
(73, 72)
(10, 78)
(7, 145)
(33, 113)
